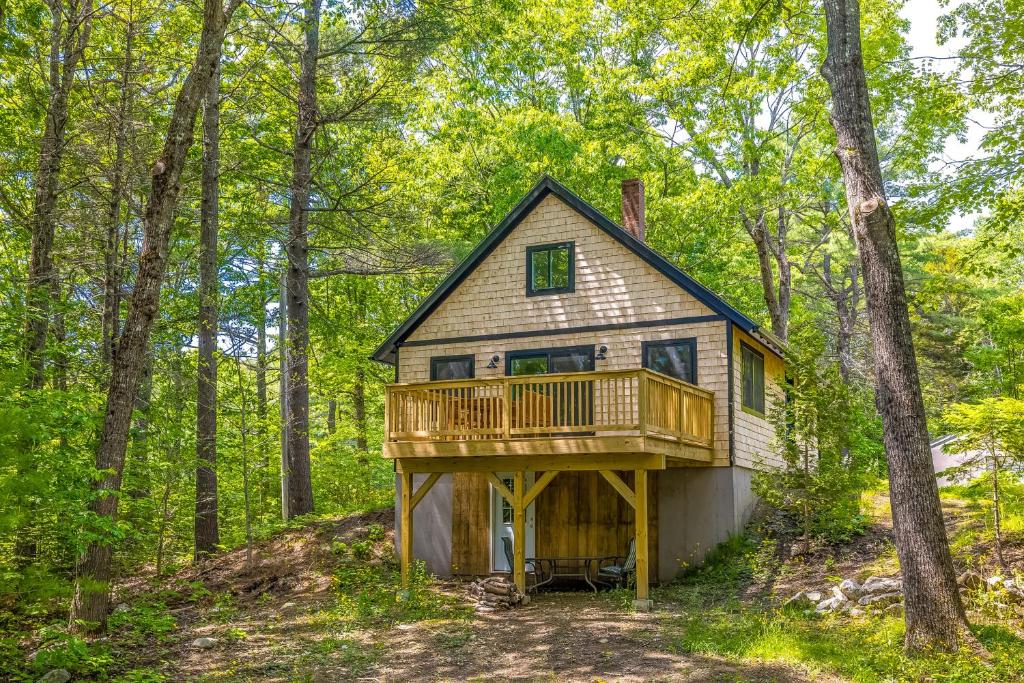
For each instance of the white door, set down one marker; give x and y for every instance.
(501, 523)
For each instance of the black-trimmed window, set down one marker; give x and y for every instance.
(551, 268)
(752, 379)
(675, 358)
(444, 368)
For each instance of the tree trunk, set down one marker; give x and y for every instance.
(67, 44)
(771, 257)
(332, 416)
(112, 272)
(934, 612)
(997, 517)
(300, 488)
(207, 534)
(90, 603)
(359, 407)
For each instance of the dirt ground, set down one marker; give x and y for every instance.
(278, 626)
(281, 619)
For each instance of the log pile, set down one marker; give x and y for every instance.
(494, 593)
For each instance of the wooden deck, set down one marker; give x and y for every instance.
(586, 415)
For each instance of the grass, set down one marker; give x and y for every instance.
(711, 620)
(976, 500)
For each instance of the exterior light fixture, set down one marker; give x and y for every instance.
(600, 352)
(494, 361)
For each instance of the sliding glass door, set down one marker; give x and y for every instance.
(571, 403)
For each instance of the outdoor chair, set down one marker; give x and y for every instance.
(618, 574)
(532, 568)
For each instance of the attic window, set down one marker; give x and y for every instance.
(752, 378)
(550, 269)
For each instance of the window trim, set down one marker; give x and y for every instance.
(689, 341)
(444, 359)
(568, 289)
(587, 349)
(743, 406)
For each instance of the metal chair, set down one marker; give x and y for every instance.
(532, 568)
(618, 574)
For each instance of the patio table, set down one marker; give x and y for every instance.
(567, 566)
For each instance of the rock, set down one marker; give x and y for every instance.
(406, 627)
(803, 600)
(994, 582)
(1014, 595)
(881, 584)
(603, 641)
(121, 607)
(56, 676)
(814, 596)
(838, 593)
(971, 580)
(879, 599)
(856, 612)
(830, 605)
(850, 588)
(288, 605)
(204, 643)
(895, 609)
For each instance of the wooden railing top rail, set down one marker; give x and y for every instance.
(531, 379)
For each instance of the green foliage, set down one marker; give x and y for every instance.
(830, 439)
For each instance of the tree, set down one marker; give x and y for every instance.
(934, 611)
(207, 535)
(89, 607)
(300, 486)
(69, 37)
(991, 434)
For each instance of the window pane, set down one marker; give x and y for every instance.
(560, 267)
(530, 365)
(571, 361)
(753, 380)
(674, 360)
(461, 368)
(541, 276)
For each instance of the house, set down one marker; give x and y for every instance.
(955, 464)
(568, 388)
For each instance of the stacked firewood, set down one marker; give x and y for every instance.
(494, 593)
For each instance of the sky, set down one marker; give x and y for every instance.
(923, 17)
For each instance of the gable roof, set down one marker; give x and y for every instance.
(386, 352)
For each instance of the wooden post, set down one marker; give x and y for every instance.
(641, 413)
(519, 532)
(506, 410)
(406, 531)
(642, 601)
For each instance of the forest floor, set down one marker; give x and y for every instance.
(318, 604)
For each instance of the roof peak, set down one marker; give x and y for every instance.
(545, 185)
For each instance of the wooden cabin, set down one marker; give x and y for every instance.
(570, 389)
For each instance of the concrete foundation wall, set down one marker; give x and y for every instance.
(431, 522)
(698, 508)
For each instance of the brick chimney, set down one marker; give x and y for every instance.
(633, 208)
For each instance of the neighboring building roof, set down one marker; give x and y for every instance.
(385, 353)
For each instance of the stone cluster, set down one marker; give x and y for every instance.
(881, 593)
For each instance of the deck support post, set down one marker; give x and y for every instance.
(519, 531)
(642, 601)
(406, 531)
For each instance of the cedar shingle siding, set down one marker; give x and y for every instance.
(613, 285)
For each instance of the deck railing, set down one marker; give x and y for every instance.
(582, 403)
